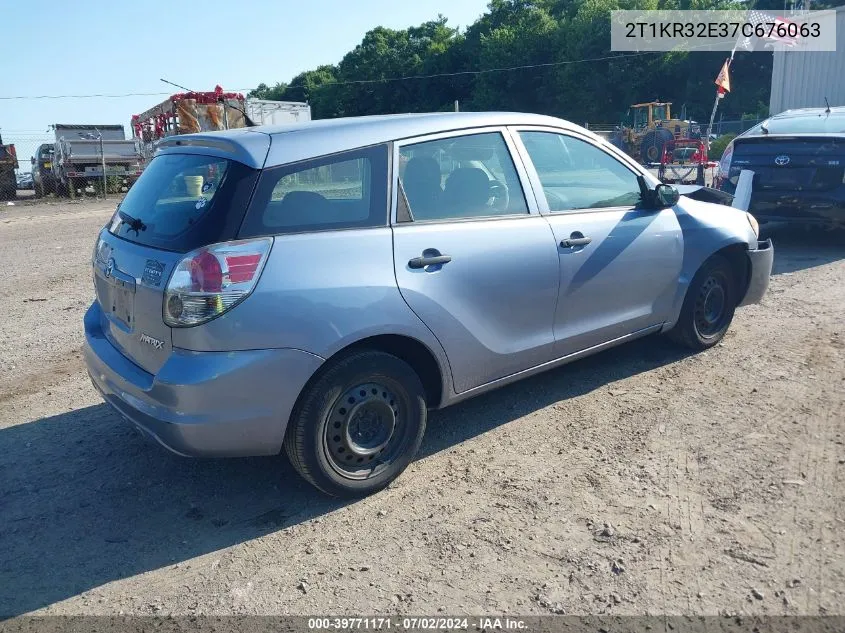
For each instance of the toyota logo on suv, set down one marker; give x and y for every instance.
(782, 160)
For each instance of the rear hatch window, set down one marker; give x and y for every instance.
(822, 123)
(185, 201)
(785, 163)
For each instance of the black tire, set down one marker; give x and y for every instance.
(358, 425)
(708, 306)
(39, 190)
(651, 149)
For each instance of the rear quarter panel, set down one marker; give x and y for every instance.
(319, 292)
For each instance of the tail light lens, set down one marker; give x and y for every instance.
(724, 168)
(212, 280)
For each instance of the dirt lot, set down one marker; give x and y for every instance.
(643, 480)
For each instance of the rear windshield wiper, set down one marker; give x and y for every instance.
(134, 224)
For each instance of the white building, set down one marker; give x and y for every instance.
(805, 79)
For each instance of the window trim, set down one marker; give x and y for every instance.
(516, 159)
(543, 204)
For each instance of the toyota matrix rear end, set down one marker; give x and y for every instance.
(166, 264)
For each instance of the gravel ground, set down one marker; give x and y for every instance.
(640, 481)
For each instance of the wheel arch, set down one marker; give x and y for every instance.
(407, 348)
(736, 252)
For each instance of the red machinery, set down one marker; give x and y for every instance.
(189, 112)
(683, 162)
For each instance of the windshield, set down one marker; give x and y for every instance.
(659, 113)
(833, 123)
(181, 201)
(640, 118)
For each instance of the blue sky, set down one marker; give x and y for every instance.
(118, 47)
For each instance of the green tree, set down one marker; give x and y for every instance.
(545, 56)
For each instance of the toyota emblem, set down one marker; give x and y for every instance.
(782, 160)
(109, 269)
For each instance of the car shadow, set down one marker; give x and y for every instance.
(799, 249)
(630, 226)
(86, 501)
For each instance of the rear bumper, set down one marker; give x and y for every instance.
(760, 261)
(805, 208)
(202, 404)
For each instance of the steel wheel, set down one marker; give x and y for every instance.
(711, 306)
(358, 424)
(364, 431)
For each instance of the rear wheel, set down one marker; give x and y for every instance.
(708, 306)
(358, 425)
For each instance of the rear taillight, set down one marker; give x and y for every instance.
(724, 168)
(212, 280)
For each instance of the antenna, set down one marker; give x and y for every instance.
(827, 103)
(177, 85)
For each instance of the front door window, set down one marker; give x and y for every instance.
(576, 175)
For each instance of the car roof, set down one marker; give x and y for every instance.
(271, 145)
(798, 112)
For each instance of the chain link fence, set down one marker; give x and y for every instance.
(720, 127)
(33, 148)
(735, 127)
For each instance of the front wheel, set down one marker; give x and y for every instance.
(708, 307)
(358, 425)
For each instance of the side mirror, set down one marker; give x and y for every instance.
(31, 161)
(666, 195)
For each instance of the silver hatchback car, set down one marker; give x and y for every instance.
(318, 288)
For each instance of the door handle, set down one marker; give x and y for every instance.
(429, 260)
(575, 241)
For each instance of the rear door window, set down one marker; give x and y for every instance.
(184, 201)
(341, 191)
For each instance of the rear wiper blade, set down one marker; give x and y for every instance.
(134, 224)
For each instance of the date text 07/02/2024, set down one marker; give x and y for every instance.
(415, 623)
